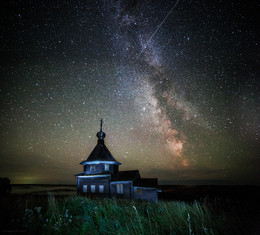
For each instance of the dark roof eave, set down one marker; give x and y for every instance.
(82, 173)
(126, 175)
(99, 161)
(146, 183)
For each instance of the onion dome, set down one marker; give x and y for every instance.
(100, 153)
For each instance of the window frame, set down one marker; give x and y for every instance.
(85, 188)
(101, 186)
(93, 188)
(92, 167)
(139, 190)
(106, 167)
(120, 188)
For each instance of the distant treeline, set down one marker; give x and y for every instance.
(5, 186)
(48, 185)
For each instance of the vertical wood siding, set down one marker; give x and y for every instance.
(148, 194)
(93, 181)
(100, 169)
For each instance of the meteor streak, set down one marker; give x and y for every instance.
(159, 26)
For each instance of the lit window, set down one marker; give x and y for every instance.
(101, 188)
(93, 188)
(106, 167)
(119, 188)
(85, 188)
(92, 167)
(139, 190)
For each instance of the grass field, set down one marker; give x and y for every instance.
(56, 214)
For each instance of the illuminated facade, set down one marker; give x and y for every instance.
(101, 176)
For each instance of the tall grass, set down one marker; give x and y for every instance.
(81, 215)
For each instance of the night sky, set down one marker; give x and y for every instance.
(176, 83)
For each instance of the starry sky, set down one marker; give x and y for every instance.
(176, 83)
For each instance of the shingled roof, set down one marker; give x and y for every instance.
(126, 175)
(146, 182)
(100, 153)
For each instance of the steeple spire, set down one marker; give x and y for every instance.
(101, 123)
(101, 135)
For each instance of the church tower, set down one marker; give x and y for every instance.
(101, 176)
(100, 161)
(98, 168)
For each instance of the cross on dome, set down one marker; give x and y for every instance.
(101, 135)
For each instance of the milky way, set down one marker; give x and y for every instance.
(176, 83)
